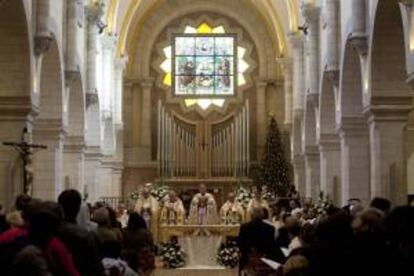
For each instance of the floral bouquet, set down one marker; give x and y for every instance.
(228, 254)
(172, 255)
(134, 195)
(323, 204)
(243, 196)
(159, 193)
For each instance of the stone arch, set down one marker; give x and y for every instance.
(327, 107)
(15, 93)
(165, 14)
(389, 103)
(328, 138)
(353, 129)
(387, 53)
(49, 126)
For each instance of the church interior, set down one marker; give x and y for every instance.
(196, 117)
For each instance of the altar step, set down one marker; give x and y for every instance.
(199, 270)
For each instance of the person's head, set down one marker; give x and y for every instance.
(231, 197)
(14, 219)
(293, 205)
(70, 202)
(22, 202)
(113, 222)
(294, 228)
(296, 265)
(30, 261)
(368, 221)
(43, 223)
(101, 217)
(307, 234)
(172, 196)
(257, 213)
(146, 192)
(258, 194)
(2, 211)
(203, 188)
(382, 204)
(354, 201)
(135, 221)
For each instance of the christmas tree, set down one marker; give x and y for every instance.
(274, 170)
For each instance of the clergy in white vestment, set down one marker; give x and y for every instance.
(232, 211)
(257, 201)
(172, 211)
(203, 209)
(147, 206)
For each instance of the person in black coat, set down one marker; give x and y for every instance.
(257, 239)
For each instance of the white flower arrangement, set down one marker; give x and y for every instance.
(243, 196)
(172, 255)
(159, 192)
(228, 254)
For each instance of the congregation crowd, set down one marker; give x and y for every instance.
(68, 237)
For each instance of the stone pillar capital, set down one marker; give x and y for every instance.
(394, 109)
(296, 40)
(146, 83)
(286, 64)
(353, 126)
(310, 12)
(121, 62)
(94, 11)
(329, 142)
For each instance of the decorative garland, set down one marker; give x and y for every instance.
(172, 255)
(228, 254)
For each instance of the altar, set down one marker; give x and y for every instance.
(199, 242)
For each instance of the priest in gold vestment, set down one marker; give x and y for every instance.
(257, 201)
(203, 209)
(147, 206)
(232, 211)
(172, 211)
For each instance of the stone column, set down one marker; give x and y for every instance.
(286, 64)
(312, 173)
(332, 37)
(108, 44)
(72, 54)
(354, 159)
(330, 153)
(296, 42)
(311, 15)
(299, 173)
(261, 116)
(73, 163)
(48, 168)
(388, 166)
(93, 118)
(146, 110)
(358, 35)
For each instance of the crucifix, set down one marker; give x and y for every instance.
(25, 150)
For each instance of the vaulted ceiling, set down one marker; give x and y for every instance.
(282, 18)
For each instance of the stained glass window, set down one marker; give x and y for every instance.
(204, 65)
(235, 54)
